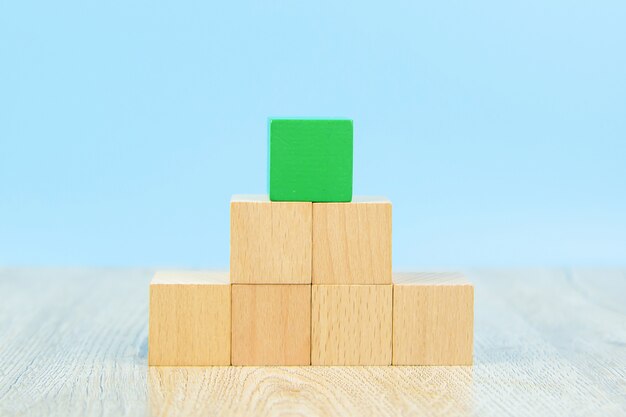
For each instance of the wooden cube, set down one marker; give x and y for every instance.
(270, 243)
(351, 324)
(433, 319)
(189, 319)
(352, 242)
(271, 325)
(310, 160)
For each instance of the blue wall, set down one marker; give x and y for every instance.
(498, 129)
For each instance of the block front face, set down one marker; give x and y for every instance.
(189, 323)
(351, 325)
(270, 242)
(352, 242)
(310, 160)
(271, 325)
(433, 323)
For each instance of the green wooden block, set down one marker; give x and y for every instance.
(310, 160)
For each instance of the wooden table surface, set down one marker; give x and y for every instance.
(73, 342)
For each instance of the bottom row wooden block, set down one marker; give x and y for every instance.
(433, 319)
(189, 321)
(199, 319)
(271, 324)
(351, 325)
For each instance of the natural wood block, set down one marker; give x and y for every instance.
(270, 242)
(189, 319)
(351, 324)
(433, 319)
(352, 242)
(310, 160)
(271, 325)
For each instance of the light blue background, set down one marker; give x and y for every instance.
(498, 129)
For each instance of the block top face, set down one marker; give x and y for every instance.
(371, 199)
(250, 198)
(258, 198)
(310, 160)
(364, 199)
(190, 278)
(430, 278)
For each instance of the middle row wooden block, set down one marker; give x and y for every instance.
(304, 243)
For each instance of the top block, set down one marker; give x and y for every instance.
(310, 160)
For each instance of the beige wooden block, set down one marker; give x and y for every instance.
(433, 319)
(271, 324)
(352, 242)
(351, 324)
(189, 319)
(270, 242)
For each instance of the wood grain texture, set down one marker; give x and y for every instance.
(351, 325)
(189, 319)
(271, 324)
(352, 242)
(433, 319)
(270, 242)
(73, 342)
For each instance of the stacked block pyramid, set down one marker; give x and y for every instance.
(310, 279)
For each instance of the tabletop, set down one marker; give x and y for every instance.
(73, 342)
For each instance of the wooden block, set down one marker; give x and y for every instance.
(310, 160)
(352, 242)
(270, 243)
(271, 325)
(351, 324)
(433, 319)
(189, 319)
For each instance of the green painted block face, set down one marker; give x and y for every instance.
(310, 160)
